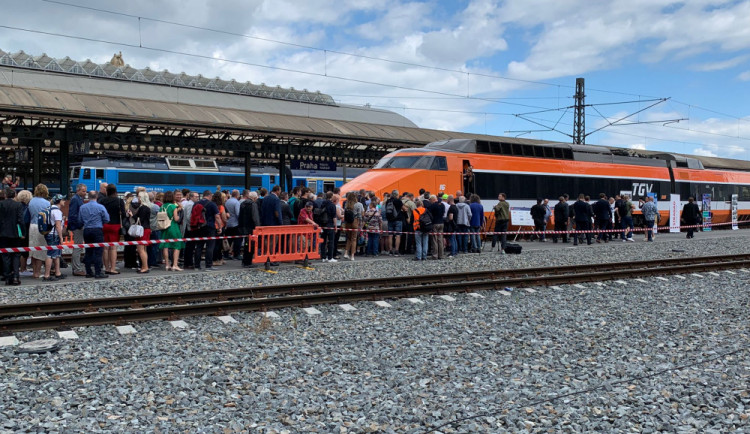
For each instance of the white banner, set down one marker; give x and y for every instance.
(520, 216)
(674, 213)
(734, 212)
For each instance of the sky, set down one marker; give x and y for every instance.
(504, 68)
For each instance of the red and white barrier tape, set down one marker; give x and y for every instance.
(175, 240)
(571, 232)
(112, 244)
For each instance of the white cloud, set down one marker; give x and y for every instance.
(599, 35)
(745, 76)
(703, 152)
(640, 146)
(725, 64)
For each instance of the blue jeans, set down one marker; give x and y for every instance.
(650, 229)
(53, 240)
(373, 244)
(476, 243)
(152, 250)
(423, 244)
(454, 243)
(627, 222)
(93, 255)
(463, 238)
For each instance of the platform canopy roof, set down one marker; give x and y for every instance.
(101, 102)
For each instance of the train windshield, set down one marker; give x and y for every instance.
(406, 162)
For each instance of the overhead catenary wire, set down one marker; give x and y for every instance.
(258, 65)
(350, 79)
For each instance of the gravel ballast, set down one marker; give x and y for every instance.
(657, 356)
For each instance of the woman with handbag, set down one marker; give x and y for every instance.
(172, 211)
(140, 214)
(219, 198)
(116, 209)
(130, 257)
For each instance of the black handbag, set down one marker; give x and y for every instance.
(124, 221)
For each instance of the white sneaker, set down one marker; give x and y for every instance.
(631, 240)
(325, 259)
(351, 258)
(346, 256)
(332, 260)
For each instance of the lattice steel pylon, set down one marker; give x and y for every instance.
(579, 117)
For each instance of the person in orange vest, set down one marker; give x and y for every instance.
(421, 237)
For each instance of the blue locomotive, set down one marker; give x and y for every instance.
(164, 174)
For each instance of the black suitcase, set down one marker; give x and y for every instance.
(513, 249)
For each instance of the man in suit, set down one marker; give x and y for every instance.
(690, 215)
(11, 234)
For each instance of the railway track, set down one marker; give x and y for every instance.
(121, 310)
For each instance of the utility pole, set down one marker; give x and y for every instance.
(579, 117)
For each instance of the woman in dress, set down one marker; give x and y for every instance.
(172, 209)
(219, 198)
(116, 209)
(140, 213)
(24, 196)
(38, 203)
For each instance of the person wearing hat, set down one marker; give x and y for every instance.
(53, 239)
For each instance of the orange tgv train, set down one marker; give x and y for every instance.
(526, 170)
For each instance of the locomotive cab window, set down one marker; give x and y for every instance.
(439, 163)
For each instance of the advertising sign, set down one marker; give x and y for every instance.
(707, 212)
(734, 212)
(520, 216)
(674, 213)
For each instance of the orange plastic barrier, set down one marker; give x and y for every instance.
(67, 241)
(285, 243)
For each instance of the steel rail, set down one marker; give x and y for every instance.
(143, 300)
(304, 300)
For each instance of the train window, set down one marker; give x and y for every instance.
(506, 148)
(520, 186)
(439, 163)
(205, 164)
(398, 162)
(99, 173)
(175, 163)
(75, 173)
(185, 179)
(86, 173)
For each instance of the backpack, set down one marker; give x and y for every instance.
(162, 221)
(623, 210)
(425, 222)
(44, 220)
(348, 216)
(320, 216)
(197, 216)
(390, 211)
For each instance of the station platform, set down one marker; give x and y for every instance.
(236, 265)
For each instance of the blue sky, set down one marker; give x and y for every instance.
(470, 65)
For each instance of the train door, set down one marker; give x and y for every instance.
(328, 185)
(88, 177)
(468, 178)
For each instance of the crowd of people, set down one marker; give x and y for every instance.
(428, 226)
